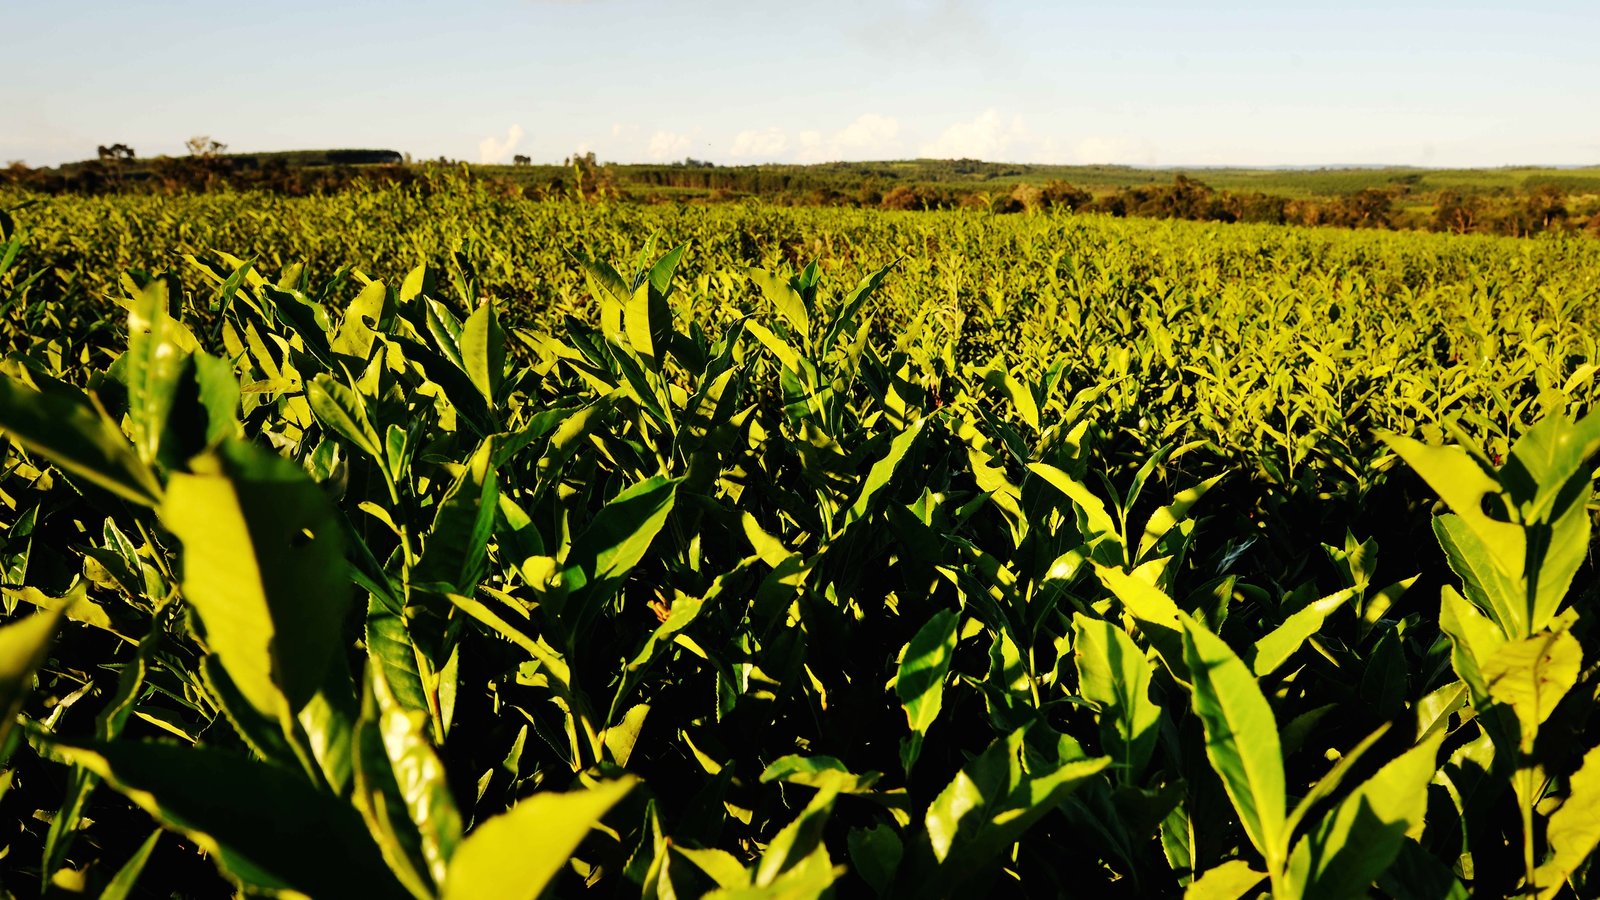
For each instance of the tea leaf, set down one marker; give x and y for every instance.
(265, 827)
(1241, 737)
(518, 853)
(263, 567)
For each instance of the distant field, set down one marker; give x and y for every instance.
(1283, 182)
(703, 179)
(1513, 201)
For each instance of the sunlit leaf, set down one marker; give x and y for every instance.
(263, 566)
(518, 853)
(1241, 737)
(77, 436)
(24, 646)
(920, 682)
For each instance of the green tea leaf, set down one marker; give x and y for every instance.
(1501, 594)
(883, 470)
(264, 826)
(1543, 463)
(797, 842)
(780, 348)
(1573, 831)
(991, 803)
(457, 544)
(483, 350)
(362, 320)
(785, 299)
(343, 412)
(1241, 737)
(121, 884)
(1474, 638)
(825, 773)
(76, 435)
(402, 790)
(1275, 647)
(1114, 675)
(1158, 618)
(518, 853)
(1093, 518)
(620, 534)
(1229, 881)
(158, 347)
(24, 646)
(875, 854)
(263, 566)
(1494, 551)
(1330, 783)
(719, 865)
(1357, 840)
(1167, 517)
(1532, 675)
(920, 682)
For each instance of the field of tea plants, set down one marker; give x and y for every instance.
(430, 542)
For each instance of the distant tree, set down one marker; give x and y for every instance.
(1030, 196)
(114, 153)
(869, 194)
(975, 200)
(1456, 212)
(593, 181)
(1366, 208)
(1189, 198)
(203, 146)
(901, 197)
(1257, 207)
(16, 172)
(521, 160)
(1546, 205)
(1001, 204)
(1115, 203)
(1061, 195)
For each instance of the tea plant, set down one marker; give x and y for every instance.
(742, 584)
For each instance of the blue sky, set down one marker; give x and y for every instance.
(1144, 82)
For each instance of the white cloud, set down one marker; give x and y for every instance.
(991, 136)
(498, 150)
(870, 136)
(665, 145)
(767, 144)
(994, 136)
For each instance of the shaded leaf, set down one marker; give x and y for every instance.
(263, 825)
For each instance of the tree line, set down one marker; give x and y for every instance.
(939, 184)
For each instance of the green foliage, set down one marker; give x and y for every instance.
(529, 577)
(25, 644)
(519, 852)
